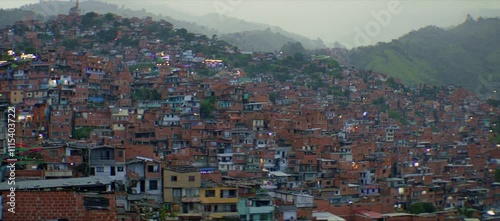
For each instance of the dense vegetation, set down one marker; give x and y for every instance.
(265, 40)
(424, 207)
(146, 94)
(82, 132)
(245, 35)
(8, 17)
(467, 55)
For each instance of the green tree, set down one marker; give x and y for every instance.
(146, 94)
(82, 132)
(181, 32)
(379, 101)
(109, 16)
(207, 107)
(70, 44)
(394, 114)
(466, 211)
(392, 83)
(423, 207)
(273, 96)
(30, 50)
(293, 48)
(90, 20)
(497, 175)
(107, 35)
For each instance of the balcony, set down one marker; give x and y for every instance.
(58, 173)
(225, 154)
(260, 146)
(269, 165)
(190, 199)
(200, 164)
(261, 210)
(225, 162)
(94, 71)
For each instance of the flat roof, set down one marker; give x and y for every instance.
(396, 214)
(183, 169)
(327, 216)
(278, 173)
(41, 184)
(369, 214)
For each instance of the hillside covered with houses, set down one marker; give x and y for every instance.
(132, 119)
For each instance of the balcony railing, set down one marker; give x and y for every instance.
(58, 173)
(261, 210)
(190, 199)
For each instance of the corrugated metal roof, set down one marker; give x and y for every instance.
(41, 184)
(327, 216)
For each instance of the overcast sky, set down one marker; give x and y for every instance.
(351, 22)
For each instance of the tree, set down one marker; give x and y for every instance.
(497, 175)
(30, 50)
(394, 114)
(466, 211)
(423, 207)
(182, 32)
(70, 44)
(293, 48)
(107, 35)
(273, 96)
(379, 101)
(82, 133)
(392, 83)
(146, 94)
(109, 16)
(207, 107)
(90, 20)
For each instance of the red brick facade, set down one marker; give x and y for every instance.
(36, 206)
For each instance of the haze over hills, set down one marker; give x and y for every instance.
(253, 36)
(468, 55)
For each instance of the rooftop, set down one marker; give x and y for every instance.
(70, 182)
(183, 169)
(327, 216)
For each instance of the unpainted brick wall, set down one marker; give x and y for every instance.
(34, 206)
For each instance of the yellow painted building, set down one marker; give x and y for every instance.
(16, 97)
(219, 202)
(181, 191)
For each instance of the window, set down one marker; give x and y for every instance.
(173, 178)
(99, 169)
(53, 153)
(208, 208)
(119, 169)
(120, 153)
(95, 203)
(106, 155)
(75, 152)
(191, 178)
(191, 192)
(153, 185)
(209, 193)
(227, 193)
(153, 168)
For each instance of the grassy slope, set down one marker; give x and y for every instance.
(432, 55)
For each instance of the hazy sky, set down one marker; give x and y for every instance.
(352, 22)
